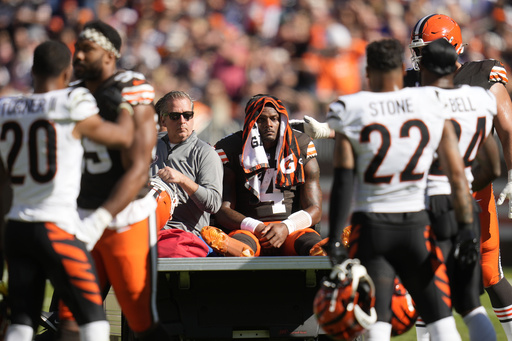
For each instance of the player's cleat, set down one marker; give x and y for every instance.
(317, 249)
(224, 244)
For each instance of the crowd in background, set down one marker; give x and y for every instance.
(305, 52)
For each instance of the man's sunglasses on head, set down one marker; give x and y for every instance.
(187, 115)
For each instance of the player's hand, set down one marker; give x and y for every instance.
(111, 101)
(466, 247)
(315, 129)
(274, 235)
(92, 227)
(336, 251)
(506, 193)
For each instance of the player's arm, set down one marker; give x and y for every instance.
(136, 160)
(466, 243)
(488, 164)
(503, 125)
(453, 165)
(311, 193)
(227, 216)
(503, 120)
(341, 196)
(113, 135)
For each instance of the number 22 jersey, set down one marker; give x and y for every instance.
(394, 136)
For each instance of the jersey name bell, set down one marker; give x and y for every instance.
(472, 110)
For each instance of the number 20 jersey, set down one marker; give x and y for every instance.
(394, 136)
(471, 110)
(43, 157)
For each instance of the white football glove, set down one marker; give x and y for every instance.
(91, 228)
(315, 129)
(506, 193)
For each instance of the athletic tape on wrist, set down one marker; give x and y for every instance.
(249, 224)
(103, 216)
(126, 106)
(298, 221)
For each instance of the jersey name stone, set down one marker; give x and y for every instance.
(391, 107)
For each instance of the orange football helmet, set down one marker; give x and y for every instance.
(166, 199)
(404, 313)
(344, 304)
(430, 28)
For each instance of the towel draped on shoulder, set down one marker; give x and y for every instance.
(290, 172)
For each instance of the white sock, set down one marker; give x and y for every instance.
(19, 332)
(505, 313)
(95, 331)
(444, 330)
(379, 331)
(421, 330)
(479, 325)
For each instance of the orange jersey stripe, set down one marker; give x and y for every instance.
(498, 74)
(222, 155)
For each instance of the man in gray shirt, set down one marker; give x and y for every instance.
(194, 166)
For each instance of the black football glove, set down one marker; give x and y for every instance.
(466, 246)
(109, 101)
(336, 251)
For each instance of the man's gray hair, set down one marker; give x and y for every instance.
(172, 95)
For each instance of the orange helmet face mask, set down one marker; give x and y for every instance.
(430, 28)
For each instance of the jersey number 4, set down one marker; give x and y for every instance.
(469, 155)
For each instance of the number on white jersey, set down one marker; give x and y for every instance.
(41, 162)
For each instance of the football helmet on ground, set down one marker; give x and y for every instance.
(404, 313)
(344, 304)
(430, 28)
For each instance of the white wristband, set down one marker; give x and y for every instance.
(510, 175)
(102, 216)
(298, 221)
(126, 106)
(250, 224)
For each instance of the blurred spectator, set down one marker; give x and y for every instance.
(224, 51)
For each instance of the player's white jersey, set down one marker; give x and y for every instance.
(42, 156)
(472, 110)
(394, 136)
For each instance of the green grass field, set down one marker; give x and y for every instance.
(113, 311)
(463, 330)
